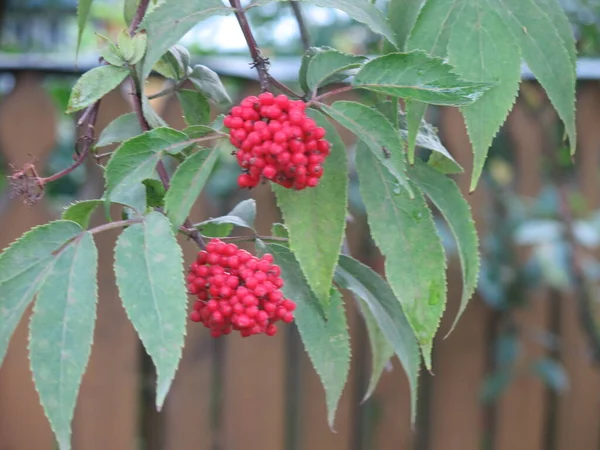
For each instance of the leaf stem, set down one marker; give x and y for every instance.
(259, 63)
(113, 225)
(337, 91)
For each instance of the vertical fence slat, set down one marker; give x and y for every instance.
(186, 417)
(460, 360)
(27, 134)
(107, 407)
(579, 407)
(521, 412)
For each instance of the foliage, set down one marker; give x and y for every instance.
(463, 54)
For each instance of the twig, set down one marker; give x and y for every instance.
(259, 63)
(113, 225)
(172, 88)
(304, 35)
(139, 16)
(283, 88)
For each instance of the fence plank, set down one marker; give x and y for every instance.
(107, 409)
(459, 361)
(579, 408)
(521, 412)
(27, 134)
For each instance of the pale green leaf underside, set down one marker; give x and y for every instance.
(187, 183)
(135, 160)
(447, 198)
(242, 215)
(94, 84)
(122, 128)
(61, 332)
(324, 67)
(23, 267)
(404, 231)
(81, 212)
(387, 311)
(326, 341)
(373, 128)
(149, 271)
(316, 217)
(83, 10)
(171, 20)
(362, 11)
(416, 75)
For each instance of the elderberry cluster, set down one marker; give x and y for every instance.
(276, 140)
(237, 291)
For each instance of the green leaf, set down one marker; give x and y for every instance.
(135, 160)
(187, 183)
(402, 15)
(122, 128)
(376, 131)
(94, 84)
(125, 43)
(155, 193)
(552, 373)
(208, 82)
(174, 63)
(197, 131)
(308, 55)
(404, 231)
(326, 341)
(111, 54)
(151, 116)
(80, 212)
(61, 332)
(171, 20)
(492, 55)
(129, 9)
(362, 11)
(280, 230)
(316, 217)
(548, 46)
(426, 137)
(446, 196)
(139, 42)
(495, 384)
(23, 267)
(418, 76)
(196, 110)
(243, 215)
(83, 10)
(366, 284)
(149, 271)
(381, 349)
(329, 65)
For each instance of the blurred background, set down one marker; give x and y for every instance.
(521, 371)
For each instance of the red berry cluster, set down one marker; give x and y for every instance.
(237, 291)
(278, 141)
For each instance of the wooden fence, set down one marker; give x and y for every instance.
(262, 393)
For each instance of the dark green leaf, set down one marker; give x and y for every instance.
(187, 183)
(552, 373)
(402, 15)
(362, 11)
(94, 84)
(446, 196)
(404, 231)
(83, 10)
(122, 128)
(155, 193)
(418, 76)
(243, 215)
(387, 311)
(373, 128)
(495, 384)
(326, 341)
(316, 217)
(196, 110)
(197, 131)
(135, 160)
(329, 65)
(381, 349)
(308, 55)
(61, 332)
(23, 267)
(149, 271)
(208, 82)
(171, 20)
(80, 212)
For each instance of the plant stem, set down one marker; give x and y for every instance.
(139, 16)
(304, 35)
(113, 225)
(261, 64)
(87, 138)
(172, 88)
(283, 88)
(319, 98)
(253, 238)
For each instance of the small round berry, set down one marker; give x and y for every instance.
(195, 316)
